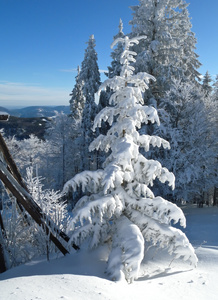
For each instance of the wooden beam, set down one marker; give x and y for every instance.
(10, 162)
(28, 203)
(16, 174)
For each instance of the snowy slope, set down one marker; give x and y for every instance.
(81, 275)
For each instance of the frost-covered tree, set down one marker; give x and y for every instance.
(189, 121)
(215, 89)
(115, 68)
(77, 101)
(120, 207)
(168, 52)
(206, 85)
(24, 238)
(60, 133)
(90, 75)
(28, 153)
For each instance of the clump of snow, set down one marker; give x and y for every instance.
(127, 253)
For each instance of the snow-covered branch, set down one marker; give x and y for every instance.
(122, 208)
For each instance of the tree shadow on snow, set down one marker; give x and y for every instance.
(160, 274)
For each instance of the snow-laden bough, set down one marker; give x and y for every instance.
(120, 207)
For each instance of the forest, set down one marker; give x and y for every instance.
(151, 128)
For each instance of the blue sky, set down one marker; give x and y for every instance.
(43, 42)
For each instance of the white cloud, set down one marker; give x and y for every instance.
(22, 94)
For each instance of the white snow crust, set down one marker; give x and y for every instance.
(81, 275)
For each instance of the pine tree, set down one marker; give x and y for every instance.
(77, 101)
(215, 89)
(206, 85)
(90, 72)
(120, 206)
(90, 75)
(189, 121)
(116, 67)
(113, 70)
(60, 133)
(168, 52)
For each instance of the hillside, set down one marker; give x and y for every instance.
(29, 120)
(21, 128)
(36, 111)
(39, 111)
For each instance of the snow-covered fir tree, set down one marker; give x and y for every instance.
(77, 105)
(115, 68)
(189, 121)
(215, 89)
(168, 52)
(90, 75)
(206, 85)
(60, 133)
(120, 207)
(77, 101)
(89, 72)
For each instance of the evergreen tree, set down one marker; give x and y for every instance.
(190, 121)
(77, 105)
(206, 86)
(90, 75)
(215, 89)
(120, 207)
(77, 101)
(60, 133)
(115, 68)
(168, 52)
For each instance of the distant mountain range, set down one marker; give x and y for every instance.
(29, 120)
(36, 111)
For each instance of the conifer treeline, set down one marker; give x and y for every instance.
(187, 107)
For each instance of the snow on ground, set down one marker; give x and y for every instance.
(80, 276)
